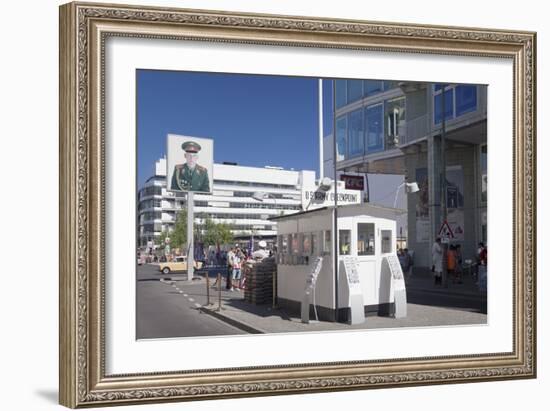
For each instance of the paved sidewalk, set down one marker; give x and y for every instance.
(424, 281)
(253, 318)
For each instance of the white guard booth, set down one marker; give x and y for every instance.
(370, 280)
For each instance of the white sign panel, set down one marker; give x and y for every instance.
(189, 163)
(350, 264)
(312, 199)
(422, 231)
(399, 290)
(357, 308)
(309, 294)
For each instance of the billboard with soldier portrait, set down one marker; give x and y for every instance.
(189, 163)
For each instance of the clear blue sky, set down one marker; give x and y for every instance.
(254, 120)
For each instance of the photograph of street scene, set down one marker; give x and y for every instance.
(248, 186)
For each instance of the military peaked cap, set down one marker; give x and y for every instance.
(191, 147)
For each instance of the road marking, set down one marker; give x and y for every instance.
(185, 295)
(191, 299)
(197, 305)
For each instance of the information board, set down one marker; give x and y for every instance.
(357, 309)
(398, 282)
(309, 294)
(350, 265)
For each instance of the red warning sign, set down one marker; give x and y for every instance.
(445, 232)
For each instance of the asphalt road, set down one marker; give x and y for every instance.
(164, 310)
(167, 306)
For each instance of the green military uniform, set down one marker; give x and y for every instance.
(185, 179)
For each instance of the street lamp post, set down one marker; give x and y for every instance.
(409, 188)
(261, 196)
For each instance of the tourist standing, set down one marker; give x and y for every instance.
(437, 261)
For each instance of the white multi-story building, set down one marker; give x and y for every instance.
(232, 199)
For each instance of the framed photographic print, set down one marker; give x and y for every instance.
(285, 201)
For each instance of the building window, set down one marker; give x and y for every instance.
(341, 93)
(314, 245)
(327, 243)
(373, 87)
(345, 242)
(356, 133)
(294, 244)
(459, 100)
(386, 242)
(449, 109)
(355, 90)
(341, 137)
(466, 99)
(395, 120)
(483, 166)
(390, 84)
(375, 128)
(365, 239)
(306, 244)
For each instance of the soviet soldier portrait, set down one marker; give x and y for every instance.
(190, 176)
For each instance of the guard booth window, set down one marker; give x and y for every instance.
(345, 242)
(327, 246)
(386, 241)
(365, 239)
(306, 244)
(295, 244)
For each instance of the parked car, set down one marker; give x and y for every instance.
(178, 264)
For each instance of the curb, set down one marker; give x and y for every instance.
(237, 324)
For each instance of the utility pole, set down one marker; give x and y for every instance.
(335, 211)
(190, 239)
(445, 279)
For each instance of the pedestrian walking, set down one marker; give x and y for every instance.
(261, 252)
(458, 268)
(437, 261)
(238, 260)
(479, 251)
(482, 280)
(410, 261)
(230, 261)
(451, 263)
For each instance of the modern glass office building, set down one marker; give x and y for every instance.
(395, 128)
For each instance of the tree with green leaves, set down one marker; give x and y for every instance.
(178, 237)
(208, 232)
(213, 233)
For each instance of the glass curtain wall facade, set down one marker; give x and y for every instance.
(364, 130)
(390, 127)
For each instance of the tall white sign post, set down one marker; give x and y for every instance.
(189, 169)
(190, 239)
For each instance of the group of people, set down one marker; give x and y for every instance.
(406, 261)
(235, 259)
(453, 261)
(481, 267)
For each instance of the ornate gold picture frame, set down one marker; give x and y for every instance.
(84, 30)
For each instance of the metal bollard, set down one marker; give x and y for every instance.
(274, 302)
(207, 289)
(220, 292)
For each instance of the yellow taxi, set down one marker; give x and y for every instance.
(178, 264)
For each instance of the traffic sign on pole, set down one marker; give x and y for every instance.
(445, 232)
